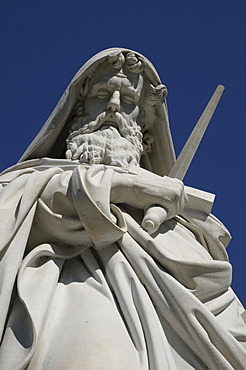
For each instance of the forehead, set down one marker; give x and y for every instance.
(118, 79)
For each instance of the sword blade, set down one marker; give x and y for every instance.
(183, 162)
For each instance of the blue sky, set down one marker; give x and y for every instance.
(195, 45)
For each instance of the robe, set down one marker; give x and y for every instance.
(83, 286)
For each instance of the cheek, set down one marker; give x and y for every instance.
(131, 114)
(134, 114)
(93, 106)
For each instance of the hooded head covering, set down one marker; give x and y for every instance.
(51, 140)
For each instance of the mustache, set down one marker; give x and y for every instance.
(115, 118)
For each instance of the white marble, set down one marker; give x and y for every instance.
(83, 284)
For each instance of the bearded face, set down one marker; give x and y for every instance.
(109, 132)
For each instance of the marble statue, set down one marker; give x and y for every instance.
(84, 285)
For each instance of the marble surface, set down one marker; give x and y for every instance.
(83, 284)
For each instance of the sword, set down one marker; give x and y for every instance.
(154, 216)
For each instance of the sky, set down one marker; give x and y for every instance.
(194, 45)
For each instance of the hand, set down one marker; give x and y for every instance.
(146, 189)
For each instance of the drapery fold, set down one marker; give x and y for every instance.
(126, 300)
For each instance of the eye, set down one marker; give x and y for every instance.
(127, 99)
(103, 95)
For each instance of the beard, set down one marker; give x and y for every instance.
(109, 140)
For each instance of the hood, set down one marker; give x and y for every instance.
(51, 139)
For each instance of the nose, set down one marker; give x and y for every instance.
(114, 102)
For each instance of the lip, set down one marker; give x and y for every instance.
(110, 123)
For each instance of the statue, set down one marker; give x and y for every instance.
(84, 284)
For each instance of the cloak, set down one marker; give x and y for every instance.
(83, 286)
